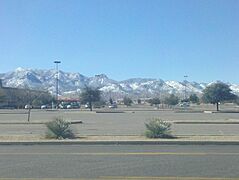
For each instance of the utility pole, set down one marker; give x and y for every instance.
(57, 81)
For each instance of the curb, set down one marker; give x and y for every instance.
(202, 122)
(109, 111)
(121, 143)
(33, 123)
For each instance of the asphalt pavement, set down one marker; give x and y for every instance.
(128, 116)
(128, 123)
(119, 161)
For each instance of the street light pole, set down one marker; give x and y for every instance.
(185, 90)
(57, 81)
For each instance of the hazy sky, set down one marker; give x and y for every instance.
(123, 38)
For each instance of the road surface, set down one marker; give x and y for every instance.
(119, 161)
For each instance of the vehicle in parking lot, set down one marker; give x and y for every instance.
(87, 105)
(184, 104)
(69, 105)
(44, 106)
(74, 105)
(27, 106)
(112, 106)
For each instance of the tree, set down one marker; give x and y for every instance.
(139, 101)
(171, 100)
(154, 101)
(127, 101)
(111, 101)
(90, 96)
(194, 98)
(216, 93)
(185, 100)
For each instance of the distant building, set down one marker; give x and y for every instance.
(16, 97)
(10, 95)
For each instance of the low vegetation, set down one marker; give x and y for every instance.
(127, 101)
(171, 100)
(158, 128)
(193, 98)
(59, 129)
(154, 101)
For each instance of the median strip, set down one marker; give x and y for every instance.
(127, 177)
(165, 178)
(206, 122)
(119, 140)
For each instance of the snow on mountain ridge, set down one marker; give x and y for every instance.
(75, 82)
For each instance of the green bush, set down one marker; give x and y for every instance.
(59, 129)
(158, 128)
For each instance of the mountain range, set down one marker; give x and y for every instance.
(71, 84)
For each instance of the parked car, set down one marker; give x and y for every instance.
(112, 106)
(87, 106)
(75, 105)
(69, 105)
(27, 106)
(184, 104)
(43, 106)
(63, 105)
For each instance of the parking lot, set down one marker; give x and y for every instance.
(127, 121)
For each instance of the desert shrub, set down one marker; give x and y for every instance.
(59, 129)
(158, 128)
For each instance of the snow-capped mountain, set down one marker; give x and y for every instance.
(191, 87)
(73, 83)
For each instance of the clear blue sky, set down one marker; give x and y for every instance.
(123, 38)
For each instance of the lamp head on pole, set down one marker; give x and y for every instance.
(57, 62)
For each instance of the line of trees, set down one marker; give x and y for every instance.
(215, 94)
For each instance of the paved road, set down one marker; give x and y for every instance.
(117, 123)
(83, 161)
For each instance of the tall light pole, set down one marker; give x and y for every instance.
(57, 81)
(185, 86)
